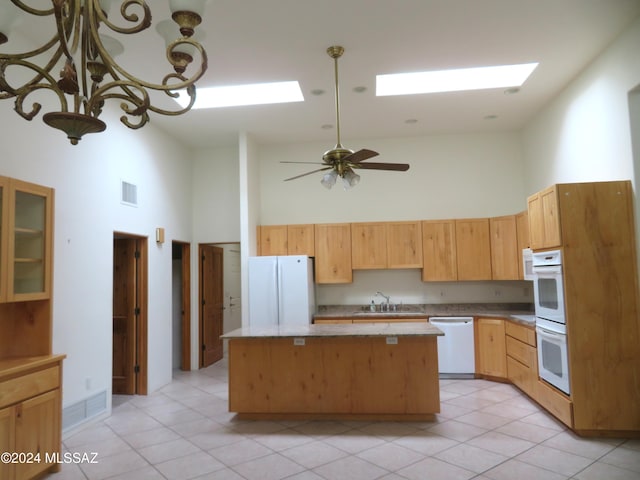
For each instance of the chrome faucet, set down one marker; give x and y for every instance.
(383, 295)
(382, 307)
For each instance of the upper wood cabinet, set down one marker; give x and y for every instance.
(273, 240)
(473, 249)
(301, 240)
(286, 240)
(544, 219)
(404, 244)
(386, 245)
(25, 241)
(439, 251)
(522, 230)
(333, 253)
(504, 248)
(369, 245)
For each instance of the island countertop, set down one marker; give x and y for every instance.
(392, 329)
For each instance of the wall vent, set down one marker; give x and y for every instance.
(129, 194)
(80, 412)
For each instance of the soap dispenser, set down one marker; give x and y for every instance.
(373, 306)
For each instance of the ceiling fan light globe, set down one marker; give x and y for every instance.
(350, 179)
(329, 179)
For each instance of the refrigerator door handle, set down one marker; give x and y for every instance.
(280, 292)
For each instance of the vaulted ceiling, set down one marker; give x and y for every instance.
(254, 41)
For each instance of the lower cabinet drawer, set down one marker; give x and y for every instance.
(522, 352)
(555, 402)
(26, 386)
(522, 376)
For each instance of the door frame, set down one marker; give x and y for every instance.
(185, 307)
(141, 343)
(201, 299)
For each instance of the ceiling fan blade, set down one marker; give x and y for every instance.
(360, 155)
(399, 167)
(306, 163)
(308, 173)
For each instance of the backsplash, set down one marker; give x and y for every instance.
(406, 286)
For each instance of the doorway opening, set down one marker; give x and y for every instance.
(219, 297)
(129, 374)
(181, 310)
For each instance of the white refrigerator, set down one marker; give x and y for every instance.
(281, 290)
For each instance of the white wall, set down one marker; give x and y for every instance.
(215, 216)
(451, 176)
(584, 134)
(87, 178)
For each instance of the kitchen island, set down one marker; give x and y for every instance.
(363, 371)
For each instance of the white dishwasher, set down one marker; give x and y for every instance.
(456, 351)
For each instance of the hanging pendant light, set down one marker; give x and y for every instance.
(78, 64)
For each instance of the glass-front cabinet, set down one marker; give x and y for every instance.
(25, 240)
(4, 218)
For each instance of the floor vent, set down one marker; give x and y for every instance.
(75, 414)
(129, 194)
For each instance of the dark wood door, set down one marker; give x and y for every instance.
(124, 315)
(211, 312)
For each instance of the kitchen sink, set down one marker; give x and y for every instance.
(394, 311)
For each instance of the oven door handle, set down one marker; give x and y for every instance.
(548, 333)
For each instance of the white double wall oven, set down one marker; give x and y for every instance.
(551, 328)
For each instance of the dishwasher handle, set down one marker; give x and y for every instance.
(450, 320)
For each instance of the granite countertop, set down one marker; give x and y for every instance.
(518, 312)
(393, 329)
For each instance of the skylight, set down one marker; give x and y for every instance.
(242, 95)
(453, 80)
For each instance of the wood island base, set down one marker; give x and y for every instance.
(341, 377)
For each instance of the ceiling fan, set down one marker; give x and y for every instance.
(341, 161)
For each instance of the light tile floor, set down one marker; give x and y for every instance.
(486, 430)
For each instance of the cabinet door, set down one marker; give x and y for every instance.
(544, 219)
(490, 347)
(333, 253)
(38, 431)
(439, 251)
(273, 240)
(404, 244)
(522, 231)
(7, 439)
(300, 240)
(473, 249)
(536, 223)
(30, 237)
(368, 245)
(4, 232)
(551, 217)
(504, 248)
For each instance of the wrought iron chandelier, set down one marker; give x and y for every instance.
(84, 56)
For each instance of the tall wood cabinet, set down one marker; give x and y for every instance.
(30, 376)
(596, 234)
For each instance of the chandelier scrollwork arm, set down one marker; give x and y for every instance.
(88, 71)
